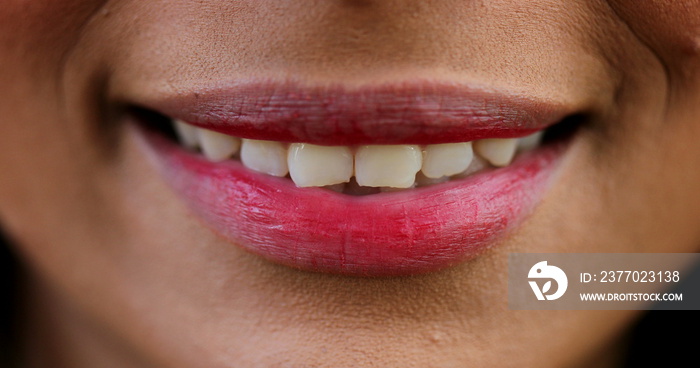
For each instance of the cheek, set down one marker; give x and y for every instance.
(670, 27)
(37, 138)
(38, 34)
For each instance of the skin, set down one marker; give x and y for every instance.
(118, 271)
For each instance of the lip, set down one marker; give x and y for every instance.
(387, 234)
(407, 113)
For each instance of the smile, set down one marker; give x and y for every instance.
(356, 170)
(382, 181)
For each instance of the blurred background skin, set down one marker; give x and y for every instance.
(117, 271)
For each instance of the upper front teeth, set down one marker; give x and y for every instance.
(387, 166)
(316, 166)
(384, 166)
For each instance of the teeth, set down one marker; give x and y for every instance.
(314, 166)
(499, 152)
(217, 146)
(446, 159)
(530, 142)
(372, 169)
(387, 166)
(186, 133)
(265, 156)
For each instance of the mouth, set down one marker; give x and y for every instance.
(382, 181)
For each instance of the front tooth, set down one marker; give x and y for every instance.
(314, 166)
(186, 133)
(265, 156)
(217, 146)
(446, 159)
(499, 152)
(530, 142)
(387, 166)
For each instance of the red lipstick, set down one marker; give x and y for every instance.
(409, 113)
(387, 234)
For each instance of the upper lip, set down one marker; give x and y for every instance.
(403, 113)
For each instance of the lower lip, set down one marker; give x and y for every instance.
(388, 234)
